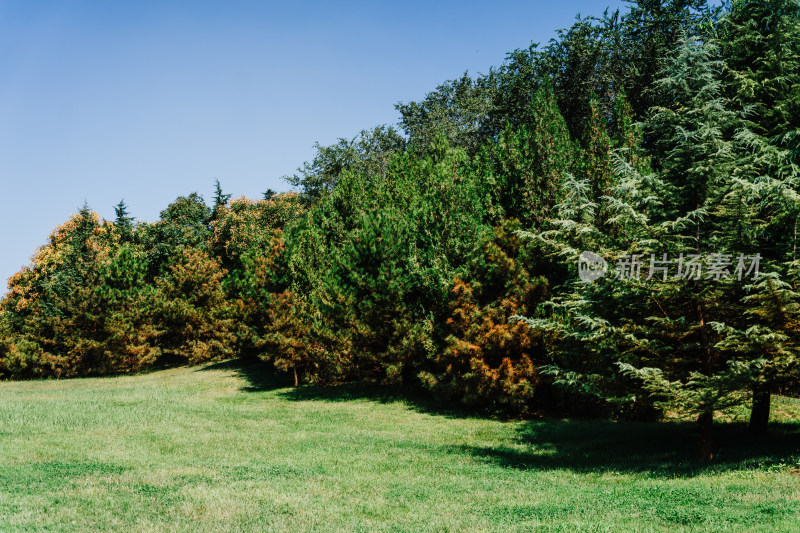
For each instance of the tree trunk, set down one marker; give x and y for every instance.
(759, 415)
(706, 419)
(706, 450)
(296, 381)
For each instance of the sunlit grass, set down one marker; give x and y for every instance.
(230, 447)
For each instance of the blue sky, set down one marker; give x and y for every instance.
(149, 100)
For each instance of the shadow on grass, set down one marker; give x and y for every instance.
(256, 374)
(666, 449)
(261, 377)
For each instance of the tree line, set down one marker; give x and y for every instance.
(443, 255)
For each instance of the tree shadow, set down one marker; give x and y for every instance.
(416, 400)
(257, 375)
(661, 449)
(665, 449)
(261, 377)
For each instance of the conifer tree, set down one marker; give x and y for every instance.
(194, 316)
(123, 221)
(578, 62)
(375, 258)
(122, 215)
(597, 165)
(522, 172)
(220, 199)
(487, 360)
(369, 153)
(760, 43)
(651, 33)
(184, 223)
(458, 109)
(649, 334)
(82, 307)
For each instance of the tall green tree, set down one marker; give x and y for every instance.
(194, 316)
(760, 43)
(523, 170)
(369, 153)
(657, 325)
(458, 108)
(184, 223)
(83, 306)
(375, 259)
(220, 199)
(486, 359)
(123, 221)
(651, 33)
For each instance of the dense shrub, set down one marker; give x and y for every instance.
(488, 358)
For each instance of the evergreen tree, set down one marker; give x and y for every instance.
(458, 108)
(692, 130)
(122, 216)
(367, 153)
(374, 260)
(220, 199)
(651, 33)
(245, 225)
(194, 315)
(578, 61)
(82, 307)
(522, 171)
(487, 360)
(760, 43)
(596, 164)
(184, 223)
(655, 336)
(123, 221)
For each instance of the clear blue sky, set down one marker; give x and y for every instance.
(149, 100)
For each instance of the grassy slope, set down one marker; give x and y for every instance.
(227, 448)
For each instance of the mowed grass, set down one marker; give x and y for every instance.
(230, 447)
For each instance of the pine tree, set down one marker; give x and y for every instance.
(194, 316)
(220, 199)
(123, 222)
(638, 332)
(83, 307)
(576, 62)
(652, 31)
(760, 43)
(458, 109)
(184, 223)
(523, 170)
(696, 157)
(487, 360)
(374, 259)
(597, 165)
(369, 153)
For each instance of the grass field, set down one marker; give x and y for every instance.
(229, 447)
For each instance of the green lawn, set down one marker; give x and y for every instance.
(229, 448)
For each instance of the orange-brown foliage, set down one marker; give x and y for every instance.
(490, 359)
